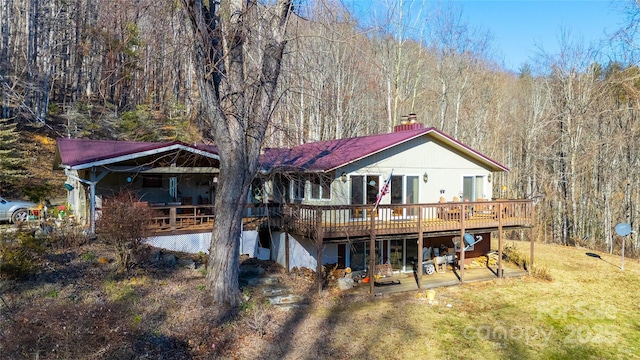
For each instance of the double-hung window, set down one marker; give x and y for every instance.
(320, 187)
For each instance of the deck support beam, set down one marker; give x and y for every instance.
(500, 244)
(372, 254)
(320, 245)
(533, 216)
(420, 245)
(462, 246)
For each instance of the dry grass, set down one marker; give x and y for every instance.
(77, 308)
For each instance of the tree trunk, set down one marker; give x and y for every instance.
(238, 54)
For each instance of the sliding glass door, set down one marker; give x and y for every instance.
(404, 190)
(472, 188)
(364, 189)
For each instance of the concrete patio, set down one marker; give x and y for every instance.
(406, 282)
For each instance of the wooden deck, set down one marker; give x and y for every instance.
(338, 223)
(178, 219)
(350, 222)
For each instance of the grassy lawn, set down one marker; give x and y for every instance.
(77, 308)
(588, 311)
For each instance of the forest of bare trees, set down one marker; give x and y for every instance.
(566, 124)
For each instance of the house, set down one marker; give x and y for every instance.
(342, 178)
(319, 196)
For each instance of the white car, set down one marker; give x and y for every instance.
(15, 211)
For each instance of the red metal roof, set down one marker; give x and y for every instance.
(332, 154)
(319, 156)
(72, 152)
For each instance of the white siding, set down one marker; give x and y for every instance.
(444, 167)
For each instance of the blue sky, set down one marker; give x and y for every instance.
(522, 28)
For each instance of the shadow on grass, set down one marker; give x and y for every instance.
(597, 256)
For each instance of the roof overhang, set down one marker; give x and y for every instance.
(140, 154)
(443, 139)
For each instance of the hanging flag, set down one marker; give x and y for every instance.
(383, 190)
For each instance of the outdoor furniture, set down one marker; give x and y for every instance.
(483, 210)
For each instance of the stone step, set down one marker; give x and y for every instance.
(275, 291)
(288, 299)
(258, 280)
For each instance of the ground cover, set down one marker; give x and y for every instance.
(76, 306)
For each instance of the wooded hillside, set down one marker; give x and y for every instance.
(566, 125)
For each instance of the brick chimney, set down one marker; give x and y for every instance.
(410, 124)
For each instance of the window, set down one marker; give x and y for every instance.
(472, 187)
(404, 190)
(257, 191)
(396, 189)
(364, 189)
(320, 187)
(357, 190)
(297, 187)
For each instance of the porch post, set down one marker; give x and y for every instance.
(420, 245)
(319, 241)
(172, 217)
(372, 254)
(92, 201)
(462, 247)
(500, 273)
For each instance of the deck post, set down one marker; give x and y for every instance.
(372, 254)
(172, 217)
(500, 273)
(462, 247)
(533, 216)
(420, 245)
(319, 245)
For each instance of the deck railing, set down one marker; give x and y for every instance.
(343, 221)
(182, 217)
(355, 220)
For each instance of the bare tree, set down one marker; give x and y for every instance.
(238, 51)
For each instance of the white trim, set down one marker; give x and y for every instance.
(136, 155)
(443, 138)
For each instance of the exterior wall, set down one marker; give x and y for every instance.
(444, 167)
(302, 252)
(200, 242)
(248, 243)
(78, 199)
(188, 243)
